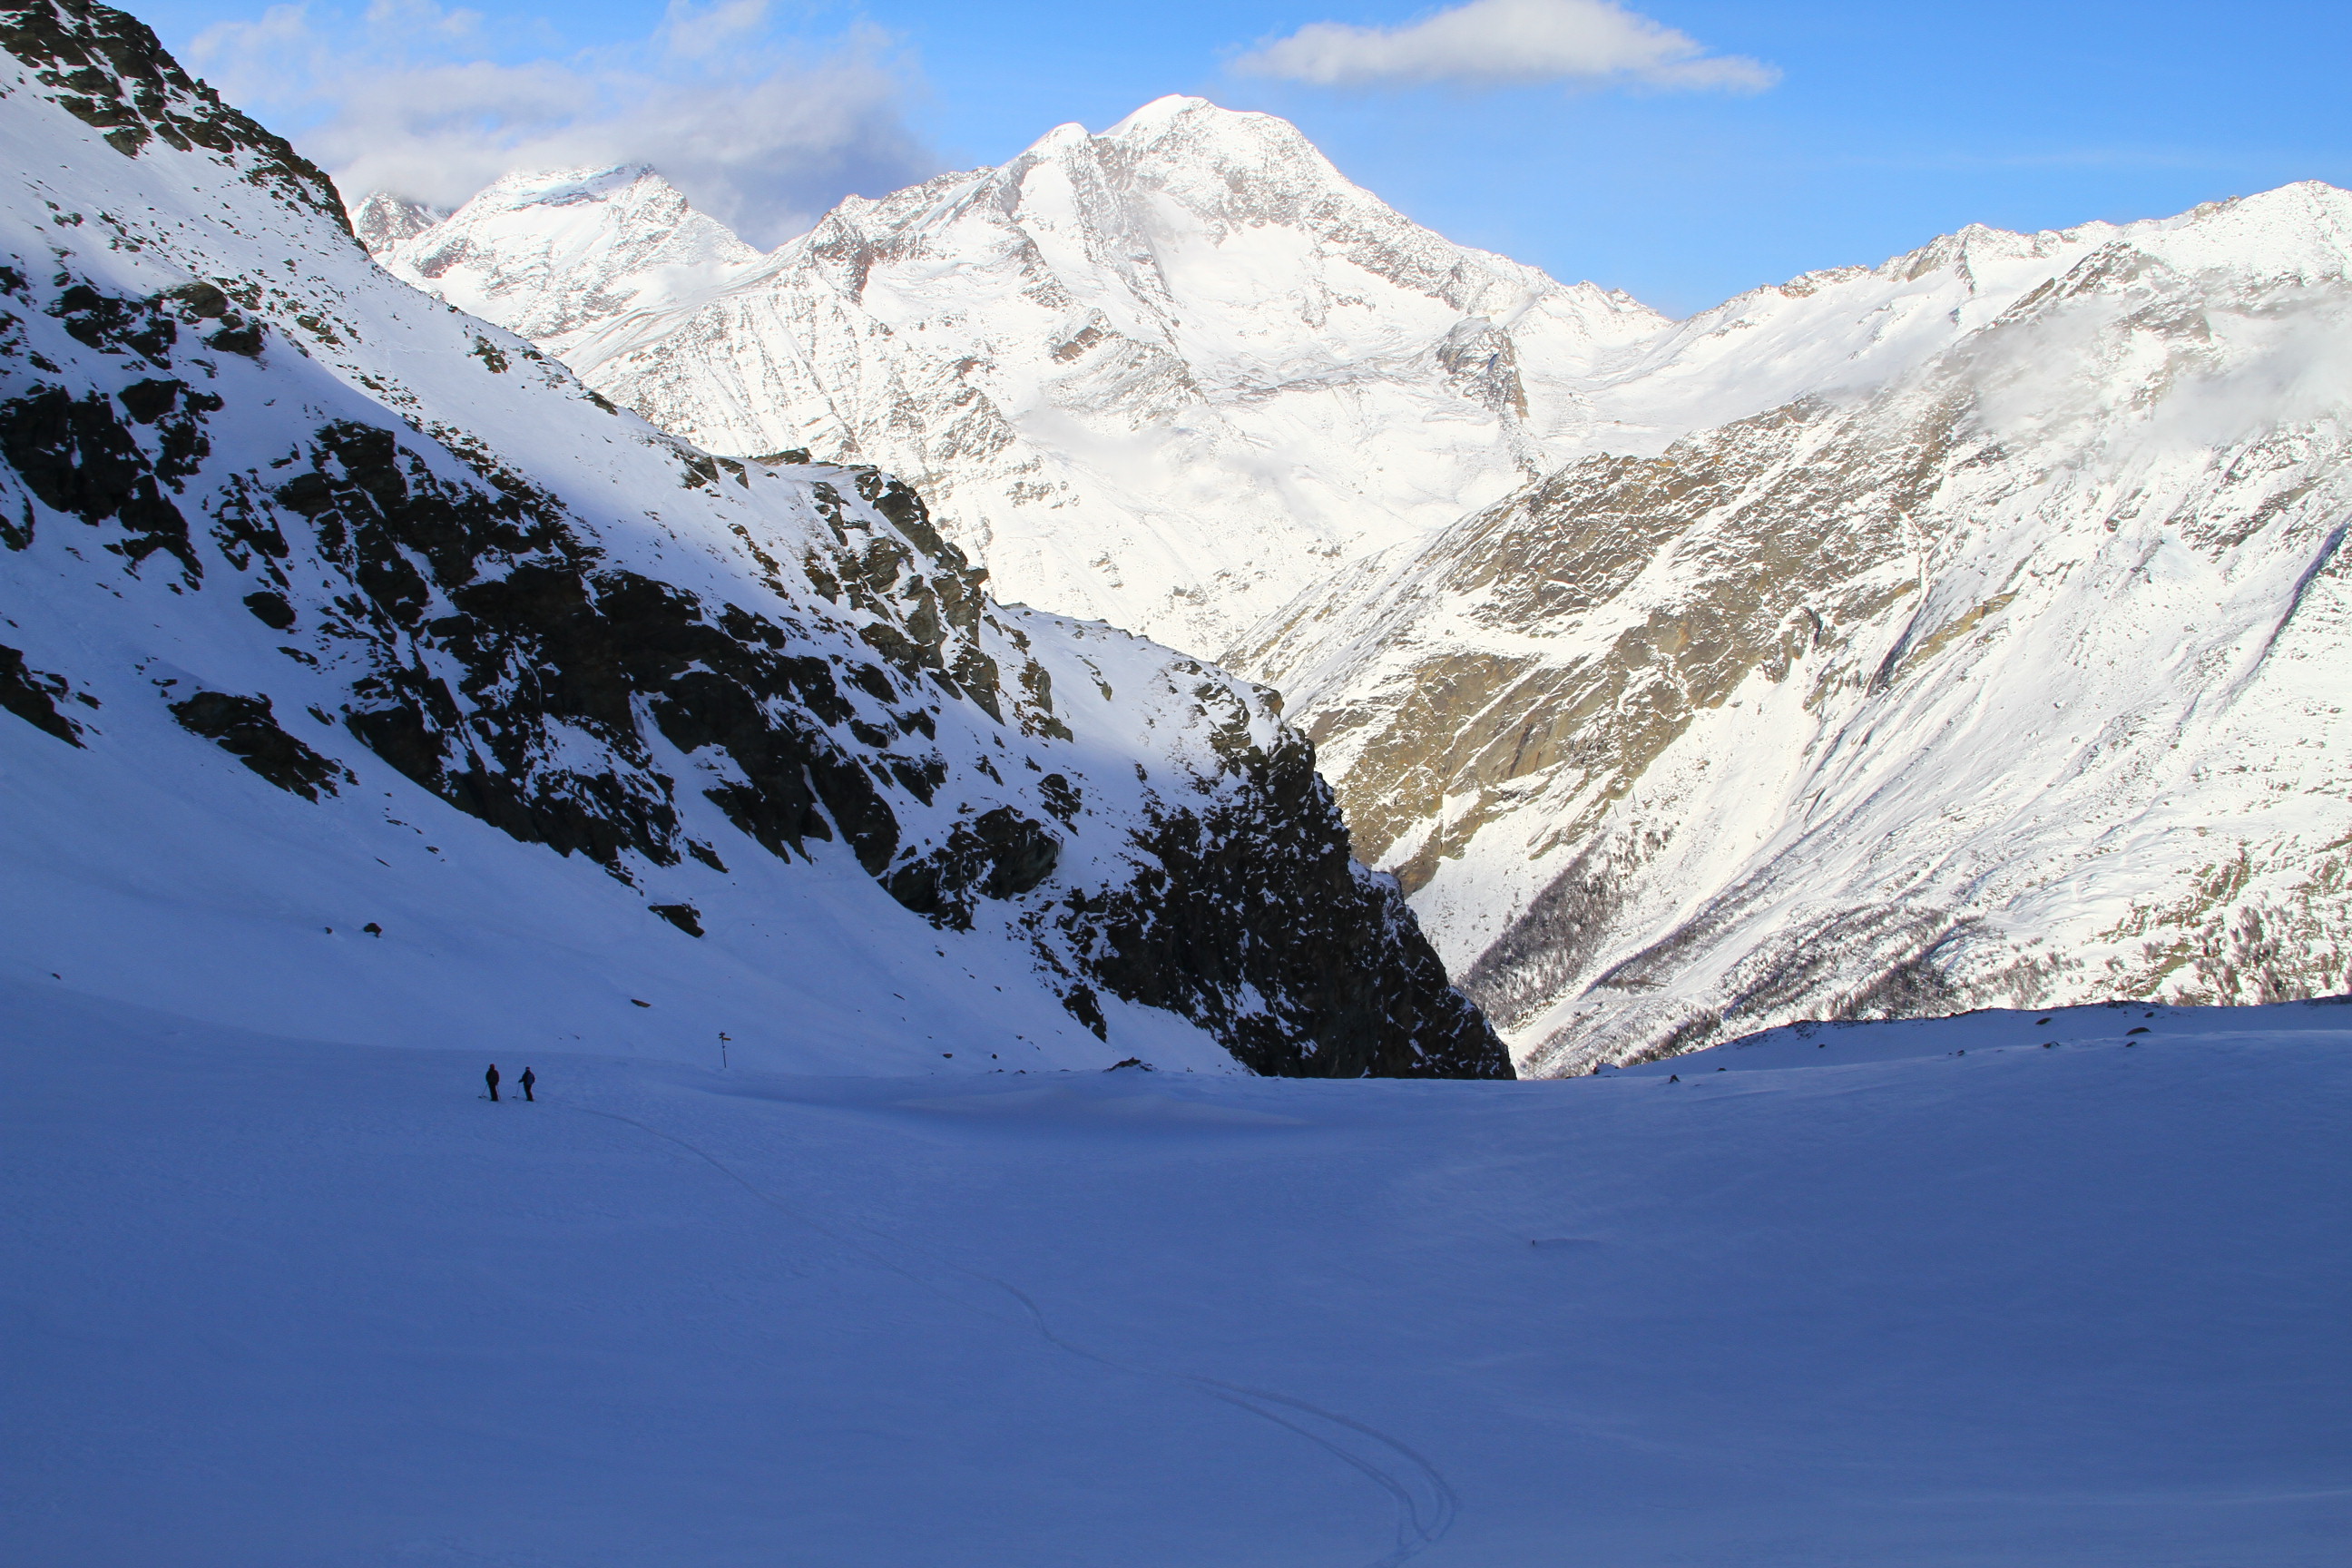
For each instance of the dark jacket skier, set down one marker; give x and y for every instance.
(527, 1080)
(491, 1078)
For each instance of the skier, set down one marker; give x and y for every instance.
(491, 1078)
(527, 1080)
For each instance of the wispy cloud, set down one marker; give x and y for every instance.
(760, 130)
(1501, 42)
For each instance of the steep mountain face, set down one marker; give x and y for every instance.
(2017, 679)
(1165, 376)
(304, 570)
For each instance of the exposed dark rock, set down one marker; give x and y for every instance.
(1256, 896)
(246, 727)
(79, 457)
(270, 609)
(999, 854)
(242, 338)
(1083, 1004)
(686, 917)
(1062, 797)
(32, 697)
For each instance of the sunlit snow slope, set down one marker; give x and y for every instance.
(2017, 679)
(362, 675)
(275, 1303)
(1164, 376)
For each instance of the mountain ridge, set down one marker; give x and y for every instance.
(1440, 719)
(1188, 314)
(1745, 727)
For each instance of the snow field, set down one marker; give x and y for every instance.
(1857, 1298)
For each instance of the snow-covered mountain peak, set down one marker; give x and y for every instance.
(2298, 234)
(1160, 377)
(383, 221)
(1154, 118)
(551, 254)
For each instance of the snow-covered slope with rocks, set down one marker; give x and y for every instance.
(2016, 678)
(1164, 376)
(365, 676)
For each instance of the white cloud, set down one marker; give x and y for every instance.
(762, 131)
(1500, 42)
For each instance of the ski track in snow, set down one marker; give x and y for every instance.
(1425, 1503)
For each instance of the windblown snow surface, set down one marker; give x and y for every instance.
(2076, 1296)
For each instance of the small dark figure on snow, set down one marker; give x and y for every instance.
(527, 1080)
(491, 1078)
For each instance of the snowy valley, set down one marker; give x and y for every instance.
(1965, 630)
(1943, 1294)
(983, 1111)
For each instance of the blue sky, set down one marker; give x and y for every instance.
(1735, 144)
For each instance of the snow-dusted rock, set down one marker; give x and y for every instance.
(383, 221)
(367, 676)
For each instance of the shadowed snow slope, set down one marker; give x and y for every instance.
(363, 675)
(275, 1303)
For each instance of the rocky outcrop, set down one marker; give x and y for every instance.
(247, 728)
(1257, 916)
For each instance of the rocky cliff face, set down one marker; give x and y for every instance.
(2013, 680)
(393, 570)
(1164, 376)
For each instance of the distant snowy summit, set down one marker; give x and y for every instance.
(555, 256)
(1166, 376)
